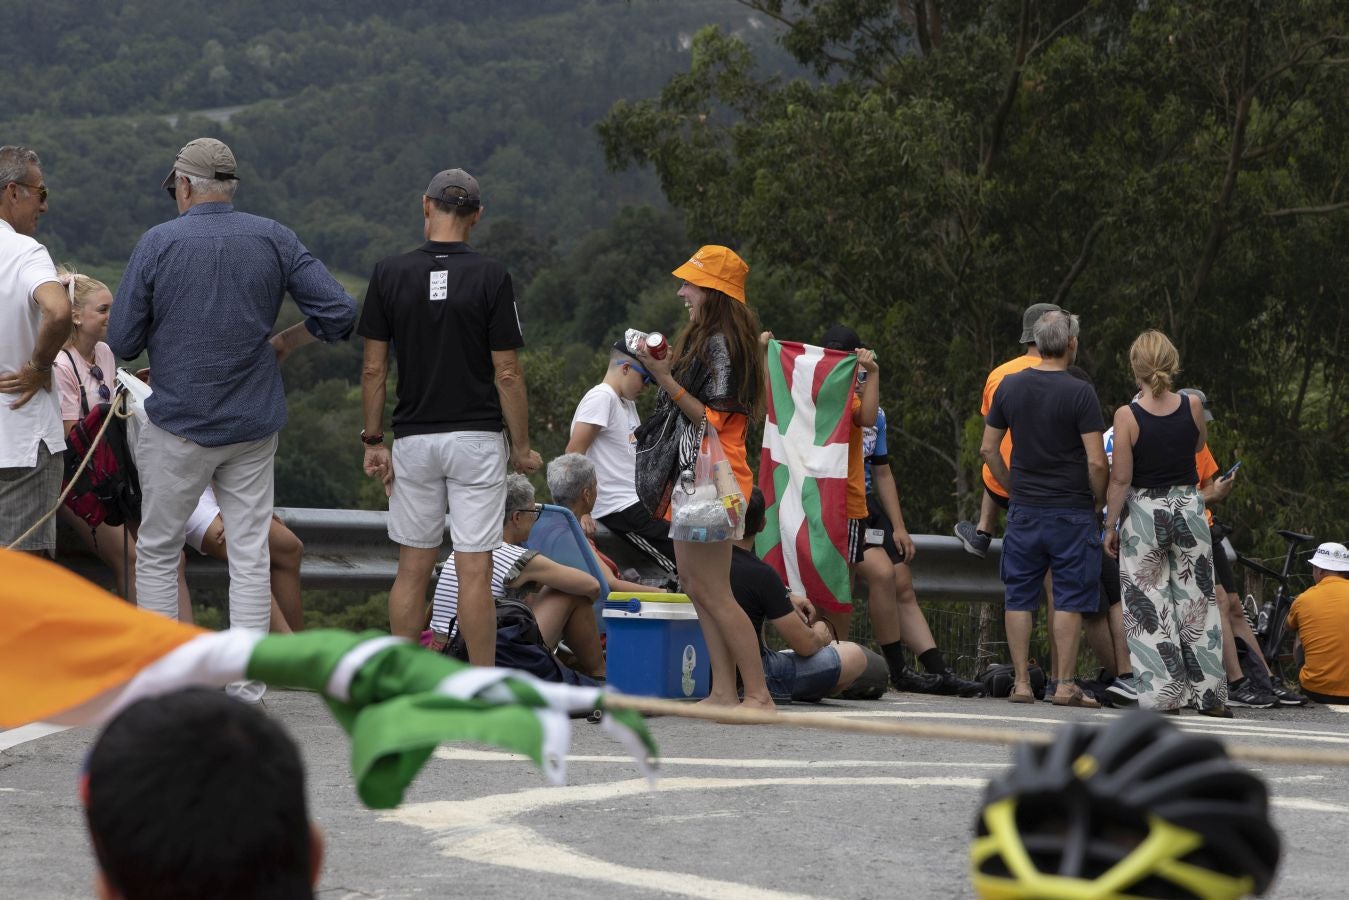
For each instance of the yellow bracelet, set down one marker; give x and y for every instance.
(675, 398)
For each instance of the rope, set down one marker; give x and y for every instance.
(967, 733)
(118, 409)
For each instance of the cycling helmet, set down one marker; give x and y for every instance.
(1135, 809)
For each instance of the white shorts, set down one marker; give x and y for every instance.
(463, 472)
(201, 519)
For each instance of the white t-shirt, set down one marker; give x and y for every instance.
(24, 264)
(614, 450)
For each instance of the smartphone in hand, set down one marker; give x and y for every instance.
(1232, 471)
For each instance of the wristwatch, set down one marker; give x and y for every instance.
(372, 440)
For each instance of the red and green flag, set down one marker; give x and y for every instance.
(804, 471)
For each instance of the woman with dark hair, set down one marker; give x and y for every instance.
(715, 372)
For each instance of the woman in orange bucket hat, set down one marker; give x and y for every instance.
(715, 370)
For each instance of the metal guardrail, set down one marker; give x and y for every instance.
(351, 550)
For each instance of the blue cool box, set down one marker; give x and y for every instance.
(655, 647)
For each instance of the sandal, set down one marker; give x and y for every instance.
(1077, 698)
(1015, 697)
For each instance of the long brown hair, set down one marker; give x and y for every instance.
(720, 314)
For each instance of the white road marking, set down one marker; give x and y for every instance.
(1306, 803)
(25, 733)
(478, 830)
(1337, 707)
(460, 754)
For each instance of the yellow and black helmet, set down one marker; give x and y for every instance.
(1133, 809)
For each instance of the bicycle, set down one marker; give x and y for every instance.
(1273, 614)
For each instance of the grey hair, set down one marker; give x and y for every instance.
(210, 187)
(568, 476)
(1053, 331)
(14, 163)
(519, 494)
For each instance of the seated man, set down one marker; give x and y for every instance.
(194, 794)
(1320, 619)
(814, 667)
(573, 482)
(560, 596)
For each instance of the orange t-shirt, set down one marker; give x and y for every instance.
(1011, 367)
(857, 473)
(733, 431)
(1208, 467)
(1320, 616)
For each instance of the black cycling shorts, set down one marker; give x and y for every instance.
(1222, 568)
(998, 498)
(877, 520)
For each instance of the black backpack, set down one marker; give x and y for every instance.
(999, 678)
(520, 646)
(109, 489)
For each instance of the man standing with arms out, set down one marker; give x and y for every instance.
(1057, 486)
(1320, 619)
(603, 429)
(34, 323)
(451, 316)
(976, 538)
(202, 293)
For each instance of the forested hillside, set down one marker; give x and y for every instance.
(339, 112)
(921, 169)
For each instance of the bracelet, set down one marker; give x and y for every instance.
(372, 440)
(41, 370)
(675, 398)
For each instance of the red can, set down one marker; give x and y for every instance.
(656, 345)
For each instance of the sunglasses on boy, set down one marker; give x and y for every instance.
(646, 376)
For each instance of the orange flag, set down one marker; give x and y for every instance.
(65, 642)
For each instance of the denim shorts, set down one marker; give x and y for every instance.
(806, 678)
(1066, 542)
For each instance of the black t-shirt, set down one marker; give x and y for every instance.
(758, 589)
(1048, 412)
(445, 308)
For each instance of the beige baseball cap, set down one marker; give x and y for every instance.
(204, 158)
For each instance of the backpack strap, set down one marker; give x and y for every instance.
(84, 397)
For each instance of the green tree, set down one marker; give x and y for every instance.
(1166, 165)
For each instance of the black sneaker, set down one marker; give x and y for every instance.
(1248, 696)
(972, 539)
(906, 679)
(1285, 695)
(952, 685)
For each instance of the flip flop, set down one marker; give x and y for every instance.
(1020, 698)
(1077, 698)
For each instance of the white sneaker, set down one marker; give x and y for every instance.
(250, 692)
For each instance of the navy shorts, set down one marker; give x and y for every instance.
(806, 678)
(1067, 542)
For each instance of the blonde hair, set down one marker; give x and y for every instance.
(1154, 361)
(85, 288)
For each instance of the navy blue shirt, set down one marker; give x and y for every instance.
(1048, 412)
(202, 292)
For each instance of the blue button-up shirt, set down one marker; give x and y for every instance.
(202, 292)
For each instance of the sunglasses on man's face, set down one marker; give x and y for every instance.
(41, 190)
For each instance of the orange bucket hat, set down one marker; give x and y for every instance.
(718, 268)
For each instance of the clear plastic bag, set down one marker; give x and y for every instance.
(706, 504)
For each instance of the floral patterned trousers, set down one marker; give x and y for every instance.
(1171, 616)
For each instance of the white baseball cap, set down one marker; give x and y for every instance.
(1331, 557)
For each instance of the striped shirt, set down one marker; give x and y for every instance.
(508, 561)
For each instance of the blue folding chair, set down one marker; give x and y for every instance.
(558, 536)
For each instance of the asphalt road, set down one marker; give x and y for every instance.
(744, 812)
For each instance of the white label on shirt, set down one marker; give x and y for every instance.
(440, 285)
